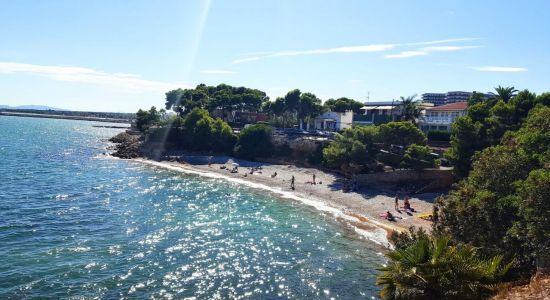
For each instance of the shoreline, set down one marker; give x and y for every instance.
(358, 210)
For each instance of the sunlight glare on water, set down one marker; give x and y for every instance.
(75, 223)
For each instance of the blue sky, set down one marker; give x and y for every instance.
(122, 55)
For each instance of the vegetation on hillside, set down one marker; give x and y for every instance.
(486, 122)
(504, 203)
(500, 208)
(356, 148)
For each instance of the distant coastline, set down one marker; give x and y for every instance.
(66, 117)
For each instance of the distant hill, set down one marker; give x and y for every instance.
(33, 107)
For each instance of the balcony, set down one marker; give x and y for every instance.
(438, 120)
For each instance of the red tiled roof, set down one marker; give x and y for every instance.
(451, 106)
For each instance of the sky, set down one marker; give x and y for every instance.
(123, 55)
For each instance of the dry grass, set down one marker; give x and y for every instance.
(538, 288)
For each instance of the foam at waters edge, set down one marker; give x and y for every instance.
(377, 235)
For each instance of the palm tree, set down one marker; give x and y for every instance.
(411, 108)
(505, 93)
(433, 268)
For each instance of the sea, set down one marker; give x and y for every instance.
(78, 224)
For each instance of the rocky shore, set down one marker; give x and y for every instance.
(127, 145)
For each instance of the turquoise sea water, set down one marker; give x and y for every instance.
(76, 224)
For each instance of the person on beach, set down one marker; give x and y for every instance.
(292, 183)
(407, 205)
(397, 202)
(210, 161)
(313, 178)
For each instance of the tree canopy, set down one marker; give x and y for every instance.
(222, 97)
(145, 119)
(295, 107)
(343, 104)
(411, 108)
(352, 149)
(505, 93)
(401, 133)
(494, 208)
(486, 123)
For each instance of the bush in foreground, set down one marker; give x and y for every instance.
(434, 268)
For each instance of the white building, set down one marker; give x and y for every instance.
(442, 117)
(334, 121)
(377, 113)
(449, 97)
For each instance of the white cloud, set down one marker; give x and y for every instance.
(217, 72)
(130, 82)
(350, 49)
(243, 60)
(347, 49)
(499, 69)
(370, 48)
(405, 54)
(447, 48)
(445, 41)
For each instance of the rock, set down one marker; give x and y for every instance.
(127, 145)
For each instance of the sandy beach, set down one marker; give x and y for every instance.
(359, 209)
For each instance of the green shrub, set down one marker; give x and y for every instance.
(439, 135)
(400, 133)
(254, 141)
(197, 131)
(345, 152)
(223, 139)
(390, 159)
(435, 268)
(418, 157)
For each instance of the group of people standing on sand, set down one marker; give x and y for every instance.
(406, 206)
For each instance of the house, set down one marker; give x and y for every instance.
(334, 121)
(378, 113)
(442, 117)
